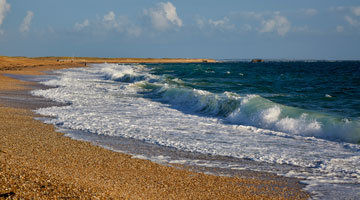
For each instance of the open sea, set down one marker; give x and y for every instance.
(293, 118)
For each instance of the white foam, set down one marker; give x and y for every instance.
(123, 73)
(328, 96)
(259, 112)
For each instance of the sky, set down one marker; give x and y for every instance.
(226, 29)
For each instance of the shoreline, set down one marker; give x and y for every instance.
(38, 162)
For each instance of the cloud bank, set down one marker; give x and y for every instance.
(109, 23)
(25, 26)
(161, 18)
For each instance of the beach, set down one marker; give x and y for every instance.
(39, 163)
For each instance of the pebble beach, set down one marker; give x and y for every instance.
(37, 162)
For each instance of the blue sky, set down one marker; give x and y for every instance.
(227, 29)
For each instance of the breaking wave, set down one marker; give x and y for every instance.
(123, 73)
(251, 109)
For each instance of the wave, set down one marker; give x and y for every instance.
(263, 113)
(250, 110)
(123, 73)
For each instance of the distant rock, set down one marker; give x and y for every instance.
(257, 60)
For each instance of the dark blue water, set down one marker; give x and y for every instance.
(327, 87)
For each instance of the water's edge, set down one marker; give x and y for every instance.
(197, 162)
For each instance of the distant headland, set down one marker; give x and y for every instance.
(13, 63)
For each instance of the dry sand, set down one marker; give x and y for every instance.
(36, 162)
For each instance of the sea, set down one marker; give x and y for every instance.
(293, 118)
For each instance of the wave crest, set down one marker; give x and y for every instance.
(123, 73)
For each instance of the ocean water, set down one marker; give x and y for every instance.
(297, 119)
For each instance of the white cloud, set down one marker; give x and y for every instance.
(109, 17)
(25, 26)
(266, 22)
(277, 23)
(81, 26)
(221, 23)
(351, 15)
(164, 16)
(171, 14)
(340, 29)
(120, 24)
(109, 23)
(4, 8)
(310, 12)
(356, 10)
(352, 21)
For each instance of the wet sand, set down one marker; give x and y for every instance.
(36, 162)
